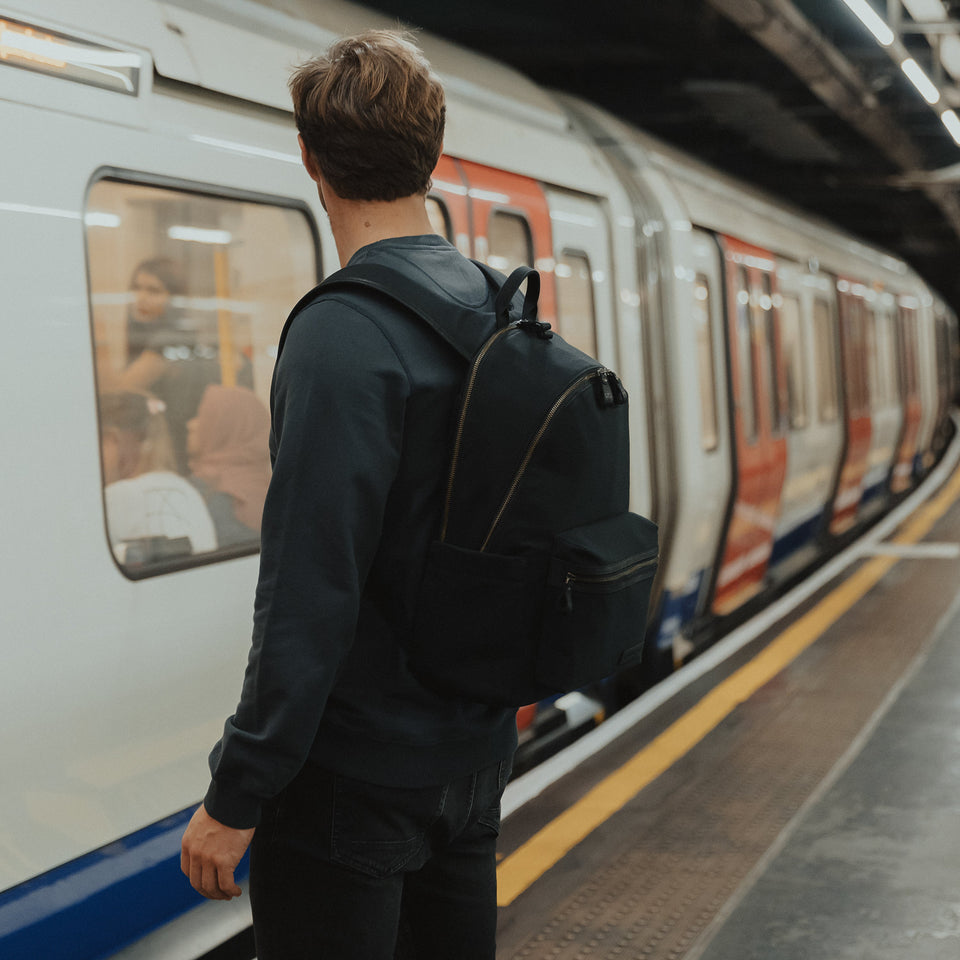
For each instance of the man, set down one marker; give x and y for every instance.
(375, 800)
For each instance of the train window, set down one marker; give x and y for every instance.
(439, 218)
(887, 379)
(828, 407)
(188, 296)
(769, 348)
(509, 242)
(575, 311)
(702, 323)
(908, 328)
(747, 392)
(874, 342)
(794, 357)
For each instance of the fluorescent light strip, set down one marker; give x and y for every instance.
(952, 122)
(872, 21)
(199, 235)
(97, 219)
(920, 80)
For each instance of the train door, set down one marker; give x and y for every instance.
(511, 226)
(906, 323)
(886, 414)
(448, 206)
(760, 446)
(702, 440)
(813, 440)
(857, 395)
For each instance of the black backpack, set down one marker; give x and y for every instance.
(539, 580)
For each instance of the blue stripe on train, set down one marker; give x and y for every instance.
(797, 538)
(91, 907)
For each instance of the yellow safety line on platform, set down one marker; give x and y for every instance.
(547, 847)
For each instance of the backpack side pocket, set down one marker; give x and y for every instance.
(597, 597)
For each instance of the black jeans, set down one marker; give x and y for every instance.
(341, 869)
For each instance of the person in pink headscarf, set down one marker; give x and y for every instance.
(227, 445)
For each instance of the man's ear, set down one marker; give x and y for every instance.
(308, 162)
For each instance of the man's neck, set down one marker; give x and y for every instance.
(355, 223)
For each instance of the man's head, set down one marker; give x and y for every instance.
(370, 114)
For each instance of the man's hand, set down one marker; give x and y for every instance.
(210, 852)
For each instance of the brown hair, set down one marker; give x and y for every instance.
(371, 114)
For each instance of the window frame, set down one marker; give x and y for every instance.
(516, 213)
(136, 178)
(585, 257)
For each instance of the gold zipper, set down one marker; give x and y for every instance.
(609, 577)
(566, 603)
(529, 454)
(463, 416)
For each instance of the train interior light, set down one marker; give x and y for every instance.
(22, 45)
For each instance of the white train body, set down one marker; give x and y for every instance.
(115, 684)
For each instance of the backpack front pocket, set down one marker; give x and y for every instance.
(598, 593)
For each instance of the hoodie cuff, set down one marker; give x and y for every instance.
(231, 806)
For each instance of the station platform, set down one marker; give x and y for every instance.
(801, 799)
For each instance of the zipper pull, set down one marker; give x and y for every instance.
(566, 598)
(603, 390)
(619, 394)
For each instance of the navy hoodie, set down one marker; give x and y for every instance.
(363, 402)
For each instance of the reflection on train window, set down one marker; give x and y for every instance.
(747, 397)
(702, 306)
(439, 218)
(188, 296)
(769, 350)
(794, 361)
(509, 242)
(575, 311)
(826, 352)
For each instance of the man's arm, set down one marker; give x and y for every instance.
(339, 401)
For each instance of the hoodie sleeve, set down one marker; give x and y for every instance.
(339, 396)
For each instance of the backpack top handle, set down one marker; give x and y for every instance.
(512, 285)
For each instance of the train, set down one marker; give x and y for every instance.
(788, 384)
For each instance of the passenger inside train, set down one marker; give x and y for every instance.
(227, 445)
(172, 352)
(152, 512)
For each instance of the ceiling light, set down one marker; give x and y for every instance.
(920, 80)
(952, 122)
(872, 21)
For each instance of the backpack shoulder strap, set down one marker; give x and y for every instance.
(457, 325)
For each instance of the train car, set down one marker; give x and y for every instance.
(784, 417)
(151, 171)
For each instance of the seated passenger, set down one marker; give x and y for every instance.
(171, 352)
(146, 500)
(228, 444)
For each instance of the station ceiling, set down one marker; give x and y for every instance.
(795, 96)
